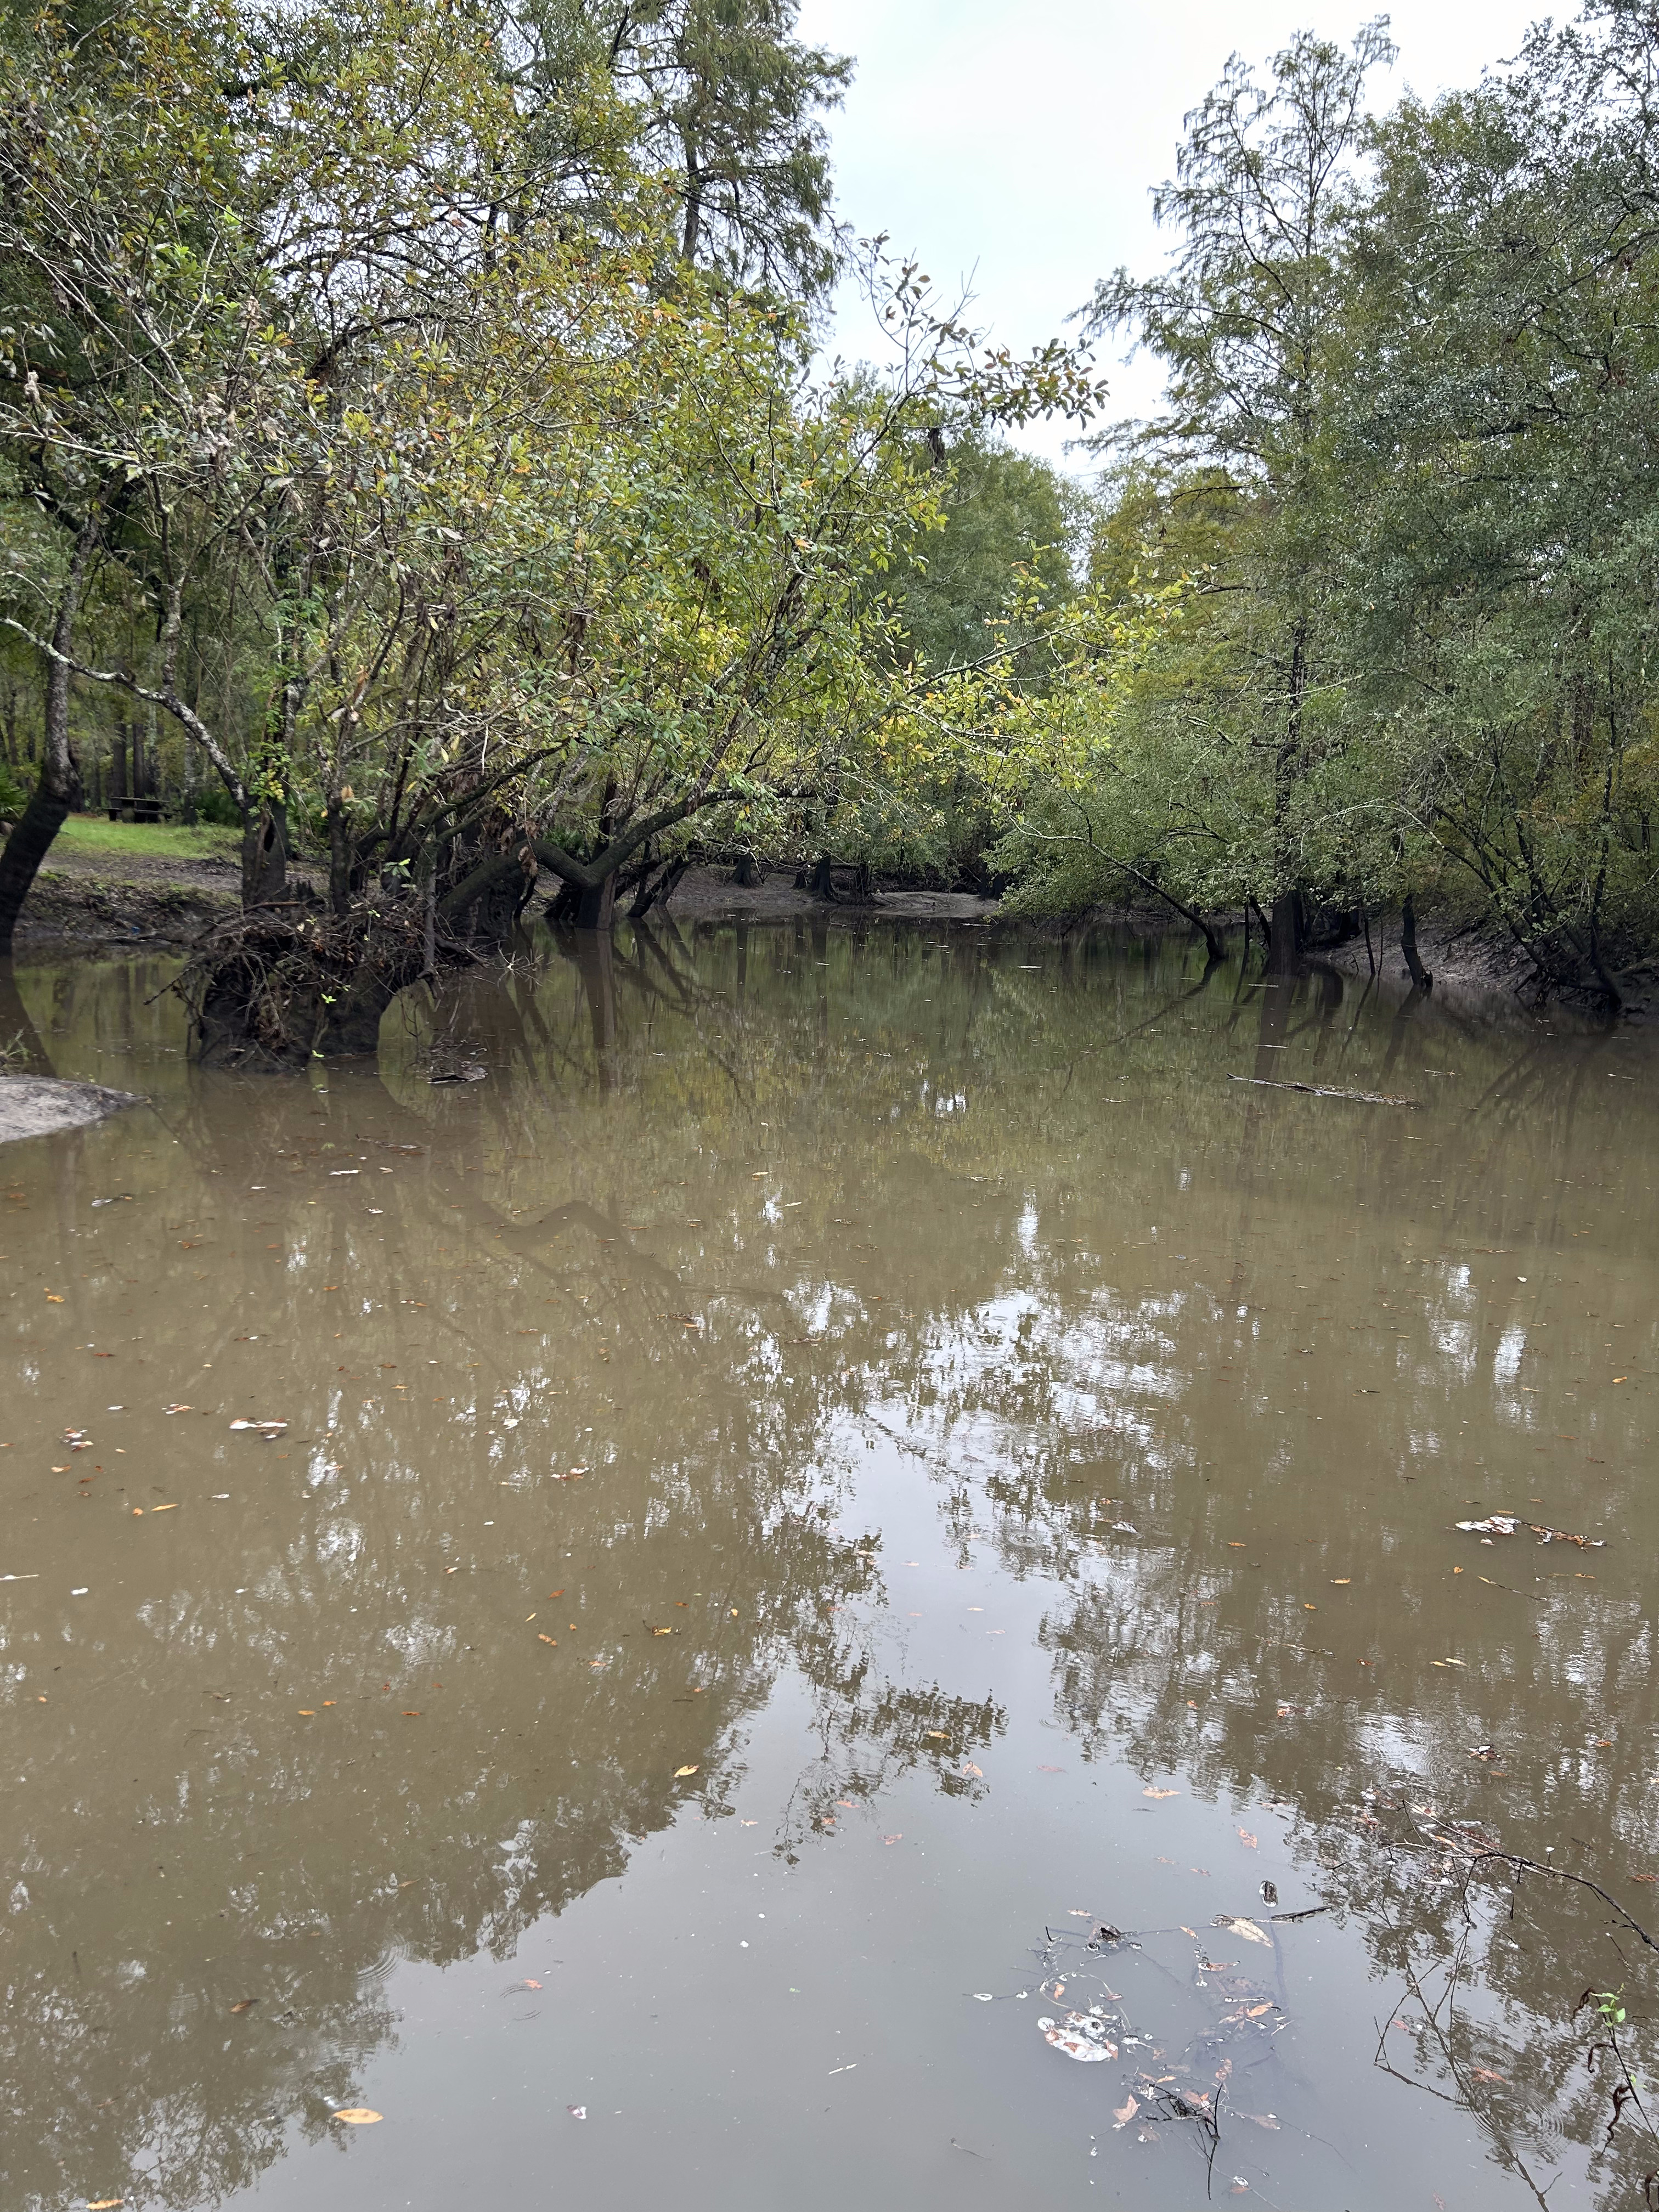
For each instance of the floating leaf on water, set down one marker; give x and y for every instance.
(1079, 2036)
(681, 1771)
(1250, 1843)
(357, 2116)
(1246, 1929)
(1150, 1791)
(245, 2004)
(1122, 2114)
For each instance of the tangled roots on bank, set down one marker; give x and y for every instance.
(278, 986)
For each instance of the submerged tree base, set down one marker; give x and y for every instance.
(279, 985)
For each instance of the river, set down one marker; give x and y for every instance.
(871, 1509)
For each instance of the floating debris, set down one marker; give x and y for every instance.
(1080, 2035)
(1508, 1524)
(1246, 1929)
(1326, 1090)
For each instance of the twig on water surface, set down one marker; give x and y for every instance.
(1326, 1090)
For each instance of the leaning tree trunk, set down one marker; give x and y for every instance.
(20, 1040)
(57, 787)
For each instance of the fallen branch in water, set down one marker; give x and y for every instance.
(1324, 1091)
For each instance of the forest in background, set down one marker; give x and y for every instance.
(417, 451)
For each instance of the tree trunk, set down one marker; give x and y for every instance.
(1285, 931)
(264, 810)
(265, 854)
(20, 1040)
(658, 890)
(823, 884)
(339, 857)
(118, 766)
(1414, 967)
(597, 908)
(1284, 935)
(594, 963)
(58, 788)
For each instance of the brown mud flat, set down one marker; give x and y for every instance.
(1470, 965)
(1475, 964)
(174, 901)
(163, 900)
(709, 895)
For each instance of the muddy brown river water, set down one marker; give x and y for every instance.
(859, 1595)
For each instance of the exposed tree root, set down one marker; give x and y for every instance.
(280, 984)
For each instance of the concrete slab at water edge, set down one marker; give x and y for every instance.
(40, 1105)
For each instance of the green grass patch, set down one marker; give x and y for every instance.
(152, 841)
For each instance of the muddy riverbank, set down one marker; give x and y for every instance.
(100, 899)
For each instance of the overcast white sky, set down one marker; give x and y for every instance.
(1011, 143)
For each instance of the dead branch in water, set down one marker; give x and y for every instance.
(1326, 1090)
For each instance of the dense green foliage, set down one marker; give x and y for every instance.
(388, 413)
(411, 446)
(1406, 485)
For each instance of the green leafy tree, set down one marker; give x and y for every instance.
(1251, 321)
(1505, 583)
